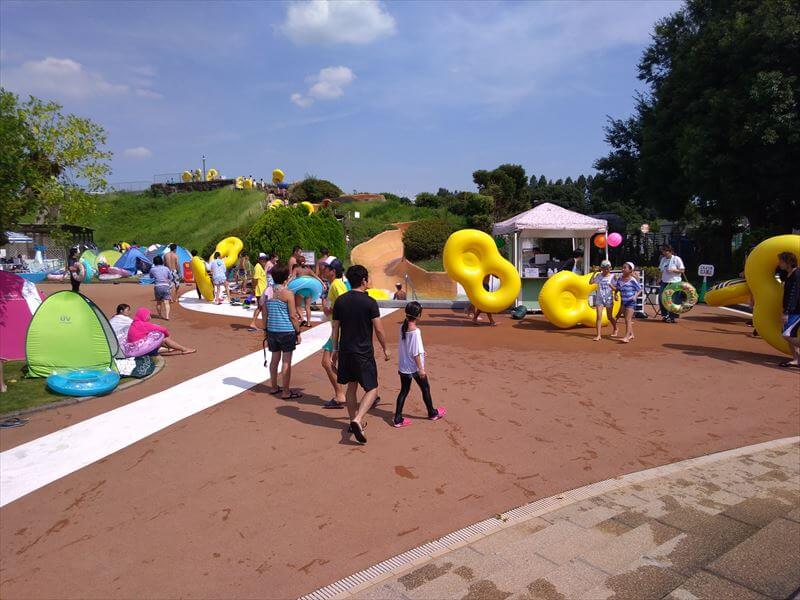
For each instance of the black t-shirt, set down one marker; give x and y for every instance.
(355, 311)
(791, 293)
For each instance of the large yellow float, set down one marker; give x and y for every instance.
(308, 206)
(201, 278)
(277, 176)
(229, 250)
(469, 256)
(761, 284)
(186, 176)
(212, 174)
(564, 300)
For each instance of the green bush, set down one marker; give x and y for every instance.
(426, 238)
(280, 229)
(313, 190)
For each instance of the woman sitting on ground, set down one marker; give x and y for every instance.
(141, 326)
(121, 322)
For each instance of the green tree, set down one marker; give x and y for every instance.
(312, 189)
(50, 163)
(508, 185)
(280, 229)
(718, 131)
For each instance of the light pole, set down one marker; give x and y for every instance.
(204, 167)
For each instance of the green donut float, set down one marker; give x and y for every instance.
(686, 289)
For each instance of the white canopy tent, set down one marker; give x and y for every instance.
(547, 220)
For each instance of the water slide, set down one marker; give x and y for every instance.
(383, 257)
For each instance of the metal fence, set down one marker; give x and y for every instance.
(129, 186)
(168, 177)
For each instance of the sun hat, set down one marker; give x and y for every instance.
(605, 264)
(631, 265)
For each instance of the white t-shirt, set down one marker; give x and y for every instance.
(120, 324)
(407, 349)
(673, 262)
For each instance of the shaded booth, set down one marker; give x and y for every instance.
(530, 238)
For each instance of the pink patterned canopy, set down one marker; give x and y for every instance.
(19, 299)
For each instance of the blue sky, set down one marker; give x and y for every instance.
(376, 96)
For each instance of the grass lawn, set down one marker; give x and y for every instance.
(192, 220)
(431, 264)
(23, 393)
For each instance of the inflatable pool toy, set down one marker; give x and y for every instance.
(228, 249)
(152, 341)
(211, 174)
(564, 300)
(109, 276)
(308, 287)
(83, 382)
(726, 293)
(125, 246)
(276, 204)
(120, 271)
(248, 183)
(277, 176)
(57, 276)
(188, 275)
(759, 271)
(186, 176)
(201, 278)
(33, 277)
(89, 270)
(239, 183)
(378, 294)
(308, 206)
(469, 256)
(679, 288)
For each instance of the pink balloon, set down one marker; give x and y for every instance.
(614, 240)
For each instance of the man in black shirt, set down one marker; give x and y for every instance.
(355, 316)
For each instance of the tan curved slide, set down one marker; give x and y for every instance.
(383, 257)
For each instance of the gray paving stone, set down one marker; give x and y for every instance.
(758, 512)
(485, 590)
(449, 585)
(767, 562)
(707, 586)
(614, 556)
(498, 542)
(641, 582)
(568, 581)
(584, 514)
(425, 573)
(562, 541)
(472, 564)
(525, 569)
(381, 592)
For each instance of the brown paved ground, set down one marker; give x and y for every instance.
(262, 498)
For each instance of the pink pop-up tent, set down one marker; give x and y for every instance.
(19, 299)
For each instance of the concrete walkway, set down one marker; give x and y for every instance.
(716, 528)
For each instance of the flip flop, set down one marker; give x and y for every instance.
(374, 404)
(404, 423)
(789, 365)
(356, 430)
(12, 422)
(292, 396)
(276, 391)
(333, 404)
(440, 413)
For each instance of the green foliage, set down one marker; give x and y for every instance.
(314, 190)
(428, 200)
(195, 220)
(379, 216)
(49, 163)
(426, 238)
(395, 198)
(240, 232)
(508, 185)
(280, 229)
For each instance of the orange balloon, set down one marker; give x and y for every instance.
(600, 241)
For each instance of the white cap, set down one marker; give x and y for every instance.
(262, 255)
(330, 259)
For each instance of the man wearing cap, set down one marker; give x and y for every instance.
(259, 287)
(332, 272)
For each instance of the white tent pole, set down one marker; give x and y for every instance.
(606, 234)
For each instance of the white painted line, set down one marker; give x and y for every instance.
(733, 310)
(39, 462)
(409, 559)
(189, 301)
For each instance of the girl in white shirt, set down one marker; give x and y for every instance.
(411, 359)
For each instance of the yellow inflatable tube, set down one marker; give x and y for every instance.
(229, 250)
(378, 294)
(564, 300)
(308, 206)
(469, 256)
(277, 176)
(276, 204)
(759, 271)
(201, 278)
(733, 291)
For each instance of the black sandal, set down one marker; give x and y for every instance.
(789, 365)
(292, 396)
(356, 430)
(333, 404)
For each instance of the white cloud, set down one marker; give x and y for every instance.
(328, 84)
(145, 93)
(337, 22)
(60, 77)
(137, 152)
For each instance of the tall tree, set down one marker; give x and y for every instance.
(508, 185)
(50, 165)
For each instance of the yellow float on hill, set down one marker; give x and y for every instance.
(277, 176)
(186, 176)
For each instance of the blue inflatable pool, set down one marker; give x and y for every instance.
(83, 382)
(308, 287)
(33, 277)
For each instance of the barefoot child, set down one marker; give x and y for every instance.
(219, 277)
(629, 288)
(411, 359)
(283, 332)
(604, 298)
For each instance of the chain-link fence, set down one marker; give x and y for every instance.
(168, 177)
(129, 186)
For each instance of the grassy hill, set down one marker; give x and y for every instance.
(193, 220)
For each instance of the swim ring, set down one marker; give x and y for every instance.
(276, 204)
(201, 278)
(83, 382)
(228, 249)
(564, 300)
(120, 271)
(469, 256)
(186, 176)
(89, 271)
(308, 287)
(277, 176)
(109, 276)
(152, 341)
(378, 294)
(308, 206)
(673, 289)
(211, 174)
(726, 293)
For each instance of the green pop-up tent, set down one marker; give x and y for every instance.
(69, 331)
